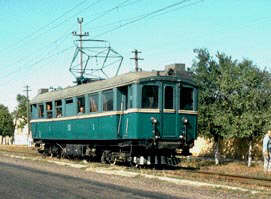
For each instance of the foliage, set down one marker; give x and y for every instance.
(20, 113)
(234, 99)
(212, 101)
(252, 102)
(6, 122)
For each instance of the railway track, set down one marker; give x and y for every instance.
(255, 182)
(248, 180)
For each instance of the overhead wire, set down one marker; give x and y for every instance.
(135, 19)
(55, 20)
(141, 17)
(120, 5)
(38, 61)
(32, 34)
(144, 16)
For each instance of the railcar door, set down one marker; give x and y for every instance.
(168, 111)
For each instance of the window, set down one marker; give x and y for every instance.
(168, 97)
(49, 109)
(93, 103)
(58, 104)
(186, 98)
(69, 101)
(150, 97)
(41, 111)
(108, 100)
(81, 105)
(33, 110)
(123, 99)
(69, 107)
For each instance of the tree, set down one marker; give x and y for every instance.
(6, 122)
(20, 113)
(213, 101)
(251, 104)
(234, 98)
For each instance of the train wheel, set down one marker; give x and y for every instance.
(111, 159)
(103, 157)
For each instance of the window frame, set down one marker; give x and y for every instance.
(142, 97)
(173, 97)
(83, 105)
(103, 101)
(192, 104)
(97, 104)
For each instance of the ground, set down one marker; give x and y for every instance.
(173, 181)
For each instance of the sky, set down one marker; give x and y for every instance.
(37, 45)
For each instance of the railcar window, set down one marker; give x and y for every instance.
(69, 101)
(150, 96)
(123, 101)
(33, 107)
(33, 110)
(81, 104)
(41, 111)
(93, 103)
(49, 109)
(108, 100)
(58, 104)
(186, 98)
(168, 97)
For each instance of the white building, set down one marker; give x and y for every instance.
(21, 135)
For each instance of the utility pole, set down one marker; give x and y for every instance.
(80, 35)
(27, 90)
(136, 58)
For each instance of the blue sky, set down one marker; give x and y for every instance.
(36, 40)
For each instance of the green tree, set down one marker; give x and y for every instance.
(234, 98)
(6, 122)
(251, 104)
(213, 101)
(20, 113)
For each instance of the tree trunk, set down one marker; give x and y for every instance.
(249, 154)
(217, 153)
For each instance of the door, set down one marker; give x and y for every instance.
(168, 111)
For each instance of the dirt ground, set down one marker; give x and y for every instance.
(238, 168)
(233, 167)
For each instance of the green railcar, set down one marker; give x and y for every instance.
(137, 117)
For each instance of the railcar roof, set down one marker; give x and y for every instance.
(117, 81)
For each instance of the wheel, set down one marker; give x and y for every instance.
(103, 157)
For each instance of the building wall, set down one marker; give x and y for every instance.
(21, 137)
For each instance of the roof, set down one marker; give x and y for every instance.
(91, 87)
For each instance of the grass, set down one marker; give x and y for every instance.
(233, 167)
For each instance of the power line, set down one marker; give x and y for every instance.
(122, 4)
(141, 17)
(43, 27)
(106, 12)
(39, 61)
(136, 19)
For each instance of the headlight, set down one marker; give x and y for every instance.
(153, 120)
(185, 120)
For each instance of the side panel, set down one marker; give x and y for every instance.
(169, 125)
(145, 126)
(100, 128)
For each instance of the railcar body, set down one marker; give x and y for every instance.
(137, 117)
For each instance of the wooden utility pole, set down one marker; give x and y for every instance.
(27, 90)
(80, 35)
(136, 58)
